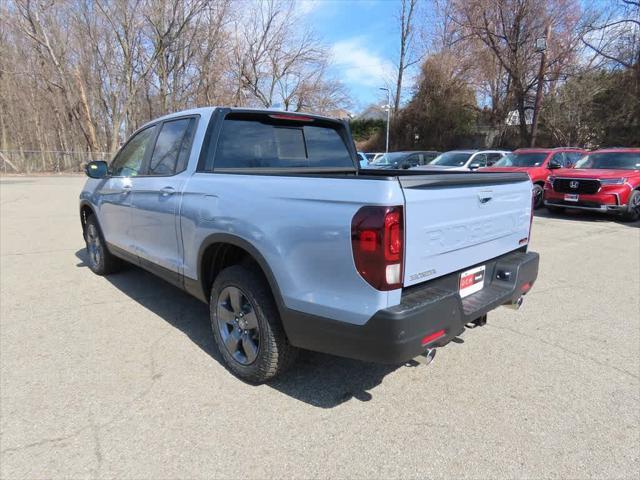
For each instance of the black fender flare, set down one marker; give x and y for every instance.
(249, 248)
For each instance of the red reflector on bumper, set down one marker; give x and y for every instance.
(525, 287)
(432, 336)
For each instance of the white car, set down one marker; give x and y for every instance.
(464, 160)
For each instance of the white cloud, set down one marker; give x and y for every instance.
(305, 7)
(356, 64)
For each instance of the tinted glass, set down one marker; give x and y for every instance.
(430, 157)
(257, 144)
(559, 158)
(452, 159)
(129, 160)
(492, 158)
(572, 158)
(171, 152)
(612, 160)
(414, 160)
(393, 158)
(480, 159)
(521, 160)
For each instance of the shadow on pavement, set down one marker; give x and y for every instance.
(584, 216)
(324, 381)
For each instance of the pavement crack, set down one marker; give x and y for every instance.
(97, 445)
(44, 441)
(40, 252)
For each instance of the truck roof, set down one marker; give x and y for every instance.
(210, 110)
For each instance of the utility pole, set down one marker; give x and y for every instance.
(386, 150)
(541, 46)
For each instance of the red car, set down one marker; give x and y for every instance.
(602, 181)
(538, 163)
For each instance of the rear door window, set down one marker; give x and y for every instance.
(171, 151)
(262, 142)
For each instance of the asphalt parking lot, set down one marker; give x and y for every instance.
(119, 377)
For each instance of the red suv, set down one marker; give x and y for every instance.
(538, 163)
(602, 181)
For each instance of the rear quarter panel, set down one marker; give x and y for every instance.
(301, 226)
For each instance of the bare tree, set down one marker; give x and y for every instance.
(406, 57)
(614, 35)
(509, 30)
(273, 58)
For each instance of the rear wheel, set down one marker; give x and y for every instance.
(100, 260)
(537, 195)
(246, 325)
(633, 207)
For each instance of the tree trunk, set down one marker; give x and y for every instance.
(524, 131)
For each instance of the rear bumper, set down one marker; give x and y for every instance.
(394, 335)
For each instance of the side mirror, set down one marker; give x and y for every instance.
(406, 166)
(97, 169)
(475, 166)
(554, 164)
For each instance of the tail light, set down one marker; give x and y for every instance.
(377, 239)
(533, 203)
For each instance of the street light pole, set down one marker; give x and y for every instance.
(388, 116)
(541, 47)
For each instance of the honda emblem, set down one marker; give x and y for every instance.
(574, 184)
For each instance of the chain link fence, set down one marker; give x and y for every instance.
(45, 161)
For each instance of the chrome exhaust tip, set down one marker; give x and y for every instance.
(427, 357)
(515, 305)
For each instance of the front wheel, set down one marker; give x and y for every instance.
(633, 207)
(247, 327)
(538, 192)
(100, 260)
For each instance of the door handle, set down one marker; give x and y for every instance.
(126, 189)
(167, 191)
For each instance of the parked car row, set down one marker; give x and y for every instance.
(538, 164)
(567, 177)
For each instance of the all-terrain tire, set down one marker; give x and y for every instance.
(257, 354)
(99, 259)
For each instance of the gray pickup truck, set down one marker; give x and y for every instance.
(268, 218)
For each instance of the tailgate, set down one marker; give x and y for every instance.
(454, 221)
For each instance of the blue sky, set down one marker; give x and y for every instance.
(363, 38)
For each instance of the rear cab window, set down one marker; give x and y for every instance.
(263, 141)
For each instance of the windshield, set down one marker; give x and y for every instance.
(389, 159)
(521, 160)
(611, 161)
(451, 159)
